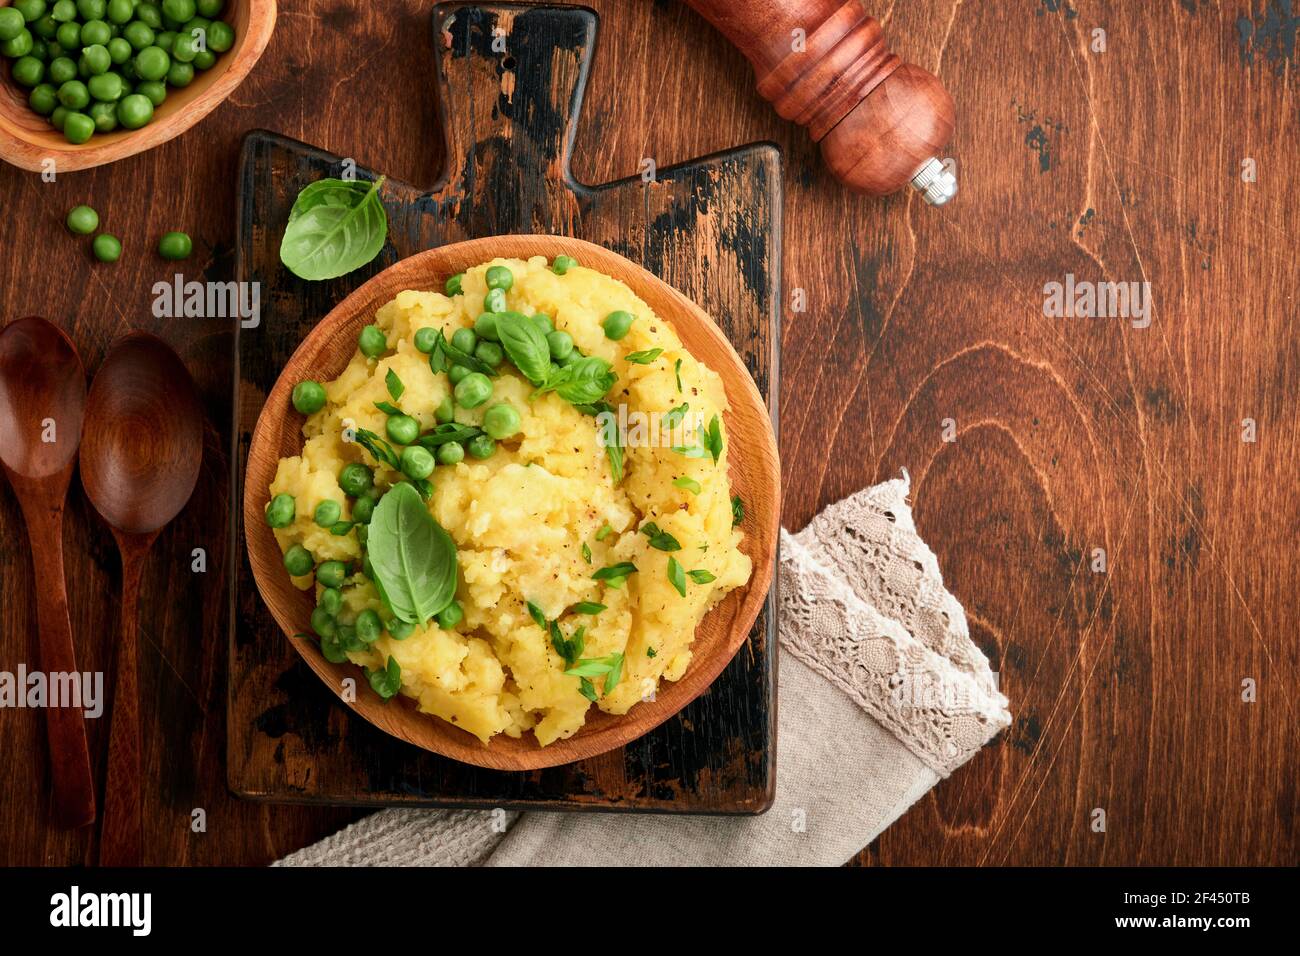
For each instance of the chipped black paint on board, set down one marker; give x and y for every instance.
(1269, 33)
(509, 120)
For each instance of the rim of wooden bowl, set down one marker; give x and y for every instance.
(754, 473)
(27, 139)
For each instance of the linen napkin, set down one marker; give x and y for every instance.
(881, 694)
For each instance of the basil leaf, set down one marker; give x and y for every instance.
(660, 539)
(412, 556)
(614, 448)
(459, 357)
(583, 382)
(388, 408)
(737, 510)
(438, 356)
(524, 345)
(340, 528)
(713, 438)
(700, 576)
(676, 576)
(621, 570)
(424, 486)
(690, 484)
(380, 449)
(387, 682)
(449, 432)
(335, 227)
(587, 607)
(394, 385)
(536, 614)
(644, 358)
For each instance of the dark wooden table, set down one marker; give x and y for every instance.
(1070, 434)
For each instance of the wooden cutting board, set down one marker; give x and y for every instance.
(511, 80)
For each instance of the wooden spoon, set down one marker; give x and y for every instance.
(42, 401)
(139, 462)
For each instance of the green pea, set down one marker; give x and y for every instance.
(500, 277)
(563, 264)
(20, 45)
(43, 99)
(457, 374)
(59, 116)
(464, 339)
(330, 600)
(489, 353)
(12, 23)
(331, 574)
(180, 74)
(485, 326)
(323, 623)
(119, 11)
(138, 34)
(184, 47)
(175, 245)
(95, 33)
(560, 343)
(327, 513)
(210, 8)
(106, 247)
(494, 301)
(344, 642)
(68, 36)
(453, 285)
(119, 51)
(399, 630)
(30, 9)
(481, 446)
(450, 616)
(107, 88)
(204, 59)
(95, 60)
(155, 91)
(134, 111)
(425, 339)
(308, 397)
(163, 39)
(28, 71)
(279, 513)
(363, 509)
(356, 479)
(74, 95)
(47, 28)
(61, 70)
(149, 14)
(369, 626)
(402, 429)
(543, 323)
(445, 412)
(179, 10)
(40, 51)
(92, 9)
(616, 324)
(372, 341)
(77, 128)
(450, 452)
(298, 561)
(417, 462)
(152, 63)
(104, 115)
(501, 421)
(473, 390)
(363, 531)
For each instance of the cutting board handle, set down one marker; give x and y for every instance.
(824, 64)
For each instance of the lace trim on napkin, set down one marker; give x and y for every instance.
(863, 604)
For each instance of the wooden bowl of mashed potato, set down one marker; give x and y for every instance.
(556, 651)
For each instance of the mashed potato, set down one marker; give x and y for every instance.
(537, 518)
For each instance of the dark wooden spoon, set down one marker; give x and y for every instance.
(42, 400)
(140, 459)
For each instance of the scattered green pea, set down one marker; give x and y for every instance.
(617, 324)
(563, 264)
(481, 446)
(298, 561)
(501, 421)
(134, 111)
(308, 395)
(402, 429)
(473, 390)
(464, 339)
(445, 412)
(372, 341)
(489, 353)
(450, 616)
(107, 248)
(28, 71)
(543, 323)
(453, 285)
(332, 574)
(425, 339)
(327, 513)
(457, 374)
(12, 23)
(323, 623)
(82, 220)
(106, 88)
(330, 600)
(500, 277)
(417, 462)
(450, 452)
(74, 95)
(485, 326)
(153, 90)
(61, 70)
(494, 301)
(279, 513)
(43, 99)
(369, 626)
(104, 115)
(180, 75)
(363, 509)
(560, 343)
(175, 245)
(356, 479)
(399, 630)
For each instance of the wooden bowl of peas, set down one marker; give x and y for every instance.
(88, 82)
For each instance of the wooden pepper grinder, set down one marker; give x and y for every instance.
(881, 123)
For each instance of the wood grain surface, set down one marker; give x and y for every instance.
(1070, 434)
